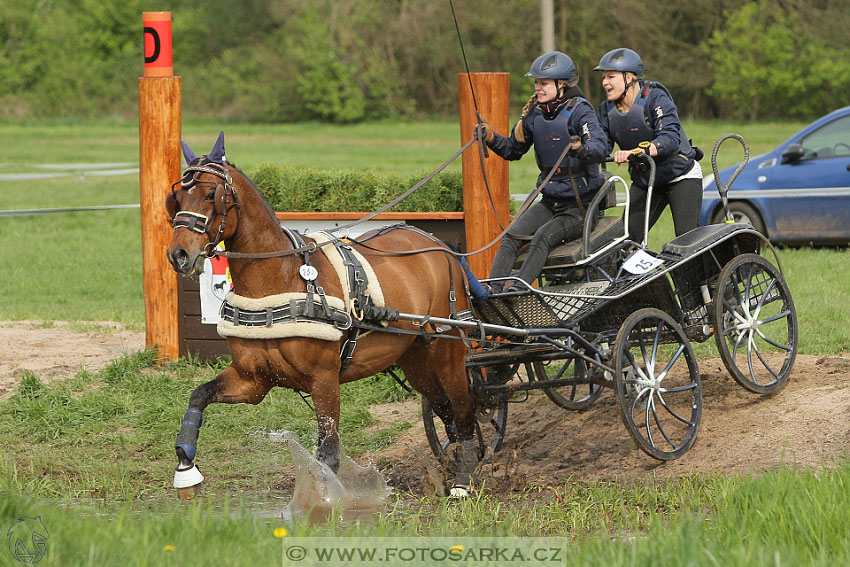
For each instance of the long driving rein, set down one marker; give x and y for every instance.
(198, 222)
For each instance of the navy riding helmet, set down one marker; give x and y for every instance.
(554, 65)
(621, 59)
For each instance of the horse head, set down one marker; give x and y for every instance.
(199, 205)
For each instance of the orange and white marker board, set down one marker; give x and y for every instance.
(158, 62)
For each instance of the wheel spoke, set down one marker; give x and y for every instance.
(776, 317)
(740, 327)
(661, 427)
(670, 364)
(560, 372)
(655, 342)
(763, 361)
(678, 389)
(637, 399)
(747, 289)
(764, 295)
(670, 410)
(738, 341)
(643, 353)
(558, 376)
(749, 336)
(638, 370)
(772, 342)
(732, 309)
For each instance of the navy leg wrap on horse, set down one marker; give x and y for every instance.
(477, 290)
(188, 436)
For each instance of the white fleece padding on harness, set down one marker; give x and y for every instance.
(306, 329)
(373, 289)
(263, 303)
(321, 331)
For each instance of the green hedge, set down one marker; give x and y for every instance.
(290, 188)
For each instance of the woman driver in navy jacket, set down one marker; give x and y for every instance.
(557, 115)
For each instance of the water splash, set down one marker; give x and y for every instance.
(355, 492)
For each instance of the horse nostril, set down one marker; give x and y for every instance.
(179, 259)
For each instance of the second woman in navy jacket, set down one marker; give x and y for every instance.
(638, 111)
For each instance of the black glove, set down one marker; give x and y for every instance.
(577, 149)
(486, 131)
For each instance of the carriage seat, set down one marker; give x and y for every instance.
(569, 253)
(699, 238)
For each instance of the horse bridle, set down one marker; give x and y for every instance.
(224, 200)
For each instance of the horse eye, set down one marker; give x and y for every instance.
(210, 196)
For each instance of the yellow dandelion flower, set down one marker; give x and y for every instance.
(168, 547)
(456, 548)
(280, 532)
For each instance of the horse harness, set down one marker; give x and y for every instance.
(363, 315)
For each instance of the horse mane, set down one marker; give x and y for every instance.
(204, 160)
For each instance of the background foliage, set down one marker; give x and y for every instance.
(344, 61)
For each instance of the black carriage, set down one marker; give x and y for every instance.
(608, 312)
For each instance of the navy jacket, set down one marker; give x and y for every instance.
(664, 129)
(549, 136)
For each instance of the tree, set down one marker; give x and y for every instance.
(777, 72)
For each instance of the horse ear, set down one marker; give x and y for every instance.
(188, 153)
(217, 153)
(171, 205)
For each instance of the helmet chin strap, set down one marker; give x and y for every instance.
(626, 85)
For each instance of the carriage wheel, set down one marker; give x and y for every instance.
(658, 384)
(577, 397)
(489, 427)
(756, 324)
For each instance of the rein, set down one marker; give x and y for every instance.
(312, 246)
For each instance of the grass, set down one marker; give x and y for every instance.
(785, 517)
(87, 436)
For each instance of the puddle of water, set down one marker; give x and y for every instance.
(355, 492)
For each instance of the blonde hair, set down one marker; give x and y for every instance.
(519, 134)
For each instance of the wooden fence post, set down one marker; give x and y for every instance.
(159, 165)
(492, 93)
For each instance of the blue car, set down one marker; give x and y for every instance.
(798, 193)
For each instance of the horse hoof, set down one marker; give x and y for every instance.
(188, 482)
(458, 492)
(189, 492)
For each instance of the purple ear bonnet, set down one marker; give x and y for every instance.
(216, 155)
(188, 154)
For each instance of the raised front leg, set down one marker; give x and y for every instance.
(228, 387)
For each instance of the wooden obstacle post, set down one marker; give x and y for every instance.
(159, 165)
(492, 93)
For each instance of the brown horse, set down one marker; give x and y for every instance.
(215, 202)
